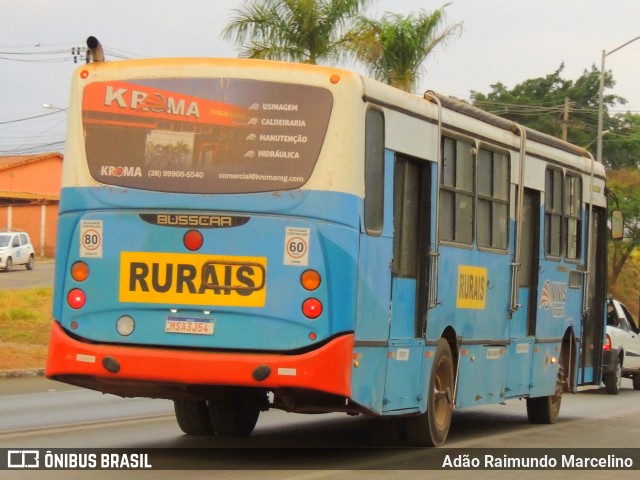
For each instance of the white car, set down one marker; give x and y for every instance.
(621, 348)
(16, 249)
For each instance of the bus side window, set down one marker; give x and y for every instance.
(493, 200)
(573, 215)
(374, 173)
(457, 191)
(553, 213)
(407, 216)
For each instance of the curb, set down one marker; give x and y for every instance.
(34, 372)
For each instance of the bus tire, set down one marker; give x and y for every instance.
(235, 411)
(193, 417)
(613, 380)
(546, 410)
(431, 428)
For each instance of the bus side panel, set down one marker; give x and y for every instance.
(340, 249)
(368, 376)
(404, 387)
(374, 288)
(482, 375)
(520, 354)
(545, 370)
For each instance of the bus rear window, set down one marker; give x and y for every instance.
(204, 135)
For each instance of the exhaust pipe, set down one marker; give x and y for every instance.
(95, 49)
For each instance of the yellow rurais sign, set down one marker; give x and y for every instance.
(192, 279)
(472, 287)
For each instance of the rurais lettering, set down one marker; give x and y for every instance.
(472, 287)
(193, 279)
(216, 279)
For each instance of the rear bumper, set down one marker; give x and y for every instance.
(326, 369)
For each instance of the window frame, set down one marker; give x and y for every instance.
(454, 190)
(553, 212)
(373, 214)
(493, 198)
(568, 215)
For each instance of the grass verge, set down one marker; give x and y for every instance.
(25, 323)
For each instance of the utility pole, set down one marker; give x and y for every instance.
(565, 119)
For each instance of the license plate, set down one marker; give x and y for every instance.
(191, 326)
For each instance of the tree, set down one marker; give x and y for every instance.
(539, 103)
(294, 30)
(625, 185)
(621, 144)
(394, 48)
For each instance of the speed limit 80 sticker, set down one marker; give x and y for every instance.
(91, 238)
(296, 246)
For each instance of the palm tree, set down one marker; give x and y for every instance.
(394, 48)
(295, 30)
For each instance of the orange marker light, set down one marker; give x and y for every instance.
(335, 78)
(84, 74)
(310, 279)
(79, 271)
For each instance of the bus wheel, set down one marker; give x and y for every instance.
(430, 429)
(193, 417)
(547, 409)
(235, 411)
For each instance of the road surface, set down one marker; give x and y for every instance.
(37, 413)
(21, 278)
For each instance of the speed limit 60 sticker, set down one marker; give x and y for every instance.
(296, 246)
(91, 238)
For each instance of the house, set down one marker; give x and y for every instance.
(29, 197)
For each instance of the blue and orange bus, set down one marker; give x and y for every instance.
(239, 235)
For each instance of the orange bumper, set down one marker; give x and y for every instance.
(326, 369)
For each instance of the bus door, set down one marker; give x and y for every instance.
(411, 221)
(523, 321)
(592, 334)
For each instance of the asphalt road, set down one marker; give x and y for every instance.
(21, 278)
(38, 413)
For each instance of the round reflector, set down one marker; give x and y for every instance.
(125, 325)
(312, 308)
(76, 298)
(193, 240)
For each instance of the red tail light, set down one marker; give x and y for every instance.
(607, 343)
(312, 308)
(76, 298)
(193, 240)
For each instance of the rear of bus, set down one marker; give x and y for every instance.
(208, 231)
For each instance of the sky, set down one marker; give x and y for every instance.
(507, 41)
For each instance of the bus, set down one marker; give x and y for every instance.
(241, 235)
